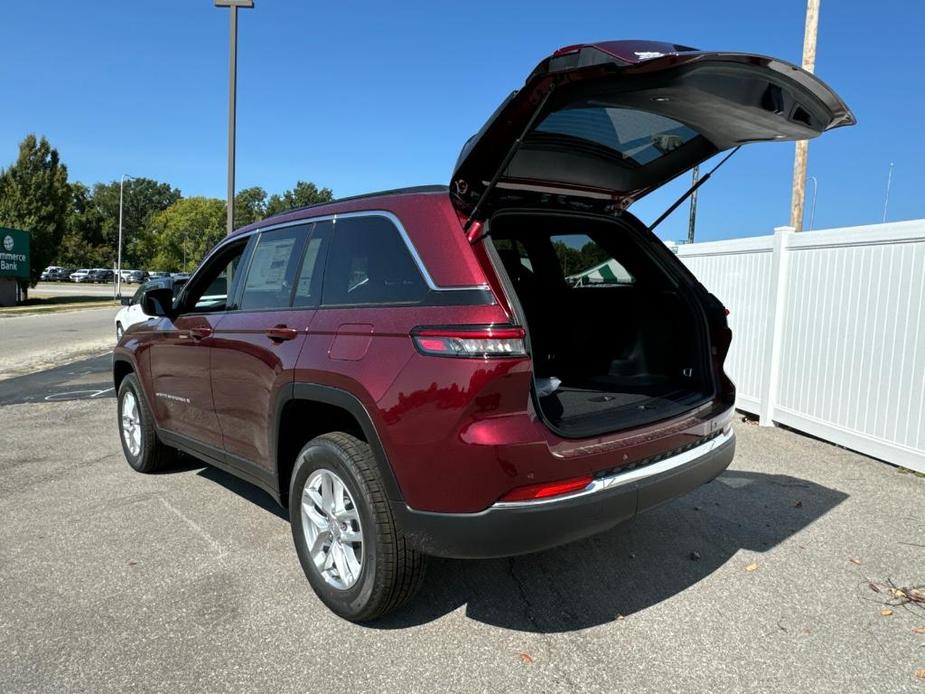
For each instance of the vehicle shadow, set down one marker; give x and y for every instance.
(595, 581)
(246, 490)
(634, 566)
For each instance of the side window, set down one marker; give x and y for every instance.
(272, 268)
(207, 291)
(585, 264)
(308, 281)
(369, 263)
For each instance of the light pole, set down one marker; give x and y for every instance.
(233, 6)
(119, 252)
(886, 200)
(812, 213)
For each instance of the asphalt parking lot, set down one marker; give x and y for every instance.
(760, 581)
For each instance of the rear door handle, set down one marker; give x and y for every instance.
(200, 333)
(279, 333)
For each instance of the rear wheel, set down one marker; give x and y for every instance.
(354, 556)
(143, 451)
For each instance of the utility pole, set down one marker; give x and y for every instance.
(232, 6)
(797, 199)
(692, 222)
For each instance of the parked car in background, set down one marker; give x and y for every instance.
(102, 275)
(411, 372)
(81, 275)
(158, 275)
(180, 275)
(64, 274)
(51, 273)
(134, 276)
(132, 311)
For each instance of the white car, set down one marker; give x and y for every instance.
(82, 275)
(131, 312)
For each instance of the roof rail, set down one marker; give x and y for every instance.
(377, 194)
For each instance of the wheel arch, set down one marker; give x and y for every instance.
(307, 410)
(120, 369)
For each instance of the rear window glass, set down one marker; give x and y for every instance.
(369, 263)
(585, 264)
(638, 136)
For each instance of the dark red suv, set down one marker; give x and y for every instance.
(496, 368)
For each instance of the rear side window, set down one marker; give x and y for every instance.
(272, 269)
(585, 264)
(369, 263)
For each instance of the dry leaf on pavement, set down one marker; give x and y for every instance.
(855, 561)
(920, 673)
(751, 567)
(525, 658)
(886, 612)
(918, 630)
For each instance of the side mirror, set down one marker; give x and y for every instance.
(157, 301)
(126, 301)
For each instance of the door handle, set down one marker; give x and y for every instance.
(278, 333)
(200, 333)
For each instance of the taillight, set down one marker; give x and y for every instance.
(486, 342)
(546, 490)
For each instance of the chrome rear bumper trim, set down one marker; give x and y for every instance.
(619, 479)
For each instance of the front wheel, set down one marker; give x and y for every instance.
(142, 449)
(355, 558)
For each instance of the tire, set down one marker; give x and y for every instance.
(119, 331)
(143, 451)
(390, 572)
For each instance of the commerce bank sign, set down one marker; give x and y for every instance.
(14, 253)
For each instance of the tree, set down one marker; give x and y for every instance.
(34, 196)
(569, 258)
(83, 243)
(180, 236)
(250, 205)
(142, 198)
(304, 193)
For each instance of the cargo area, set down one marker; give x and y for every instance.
(617, 339)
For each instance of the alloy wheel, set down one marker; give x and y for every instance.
(331, 524)
(131, 423)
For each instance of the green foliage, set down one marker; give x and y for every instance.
(250, 205)
(83, 243)
(573, 260)
(75, 225)
(91, 238)
(303, 194)
(142, 198)
(34, 196)
(179, 237)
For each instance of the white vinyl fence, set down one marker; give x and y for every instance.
(828, 331)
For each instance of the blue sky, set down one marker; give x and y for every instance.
(361, 96)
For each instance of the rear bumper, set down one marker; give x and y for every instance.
(507, 529)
